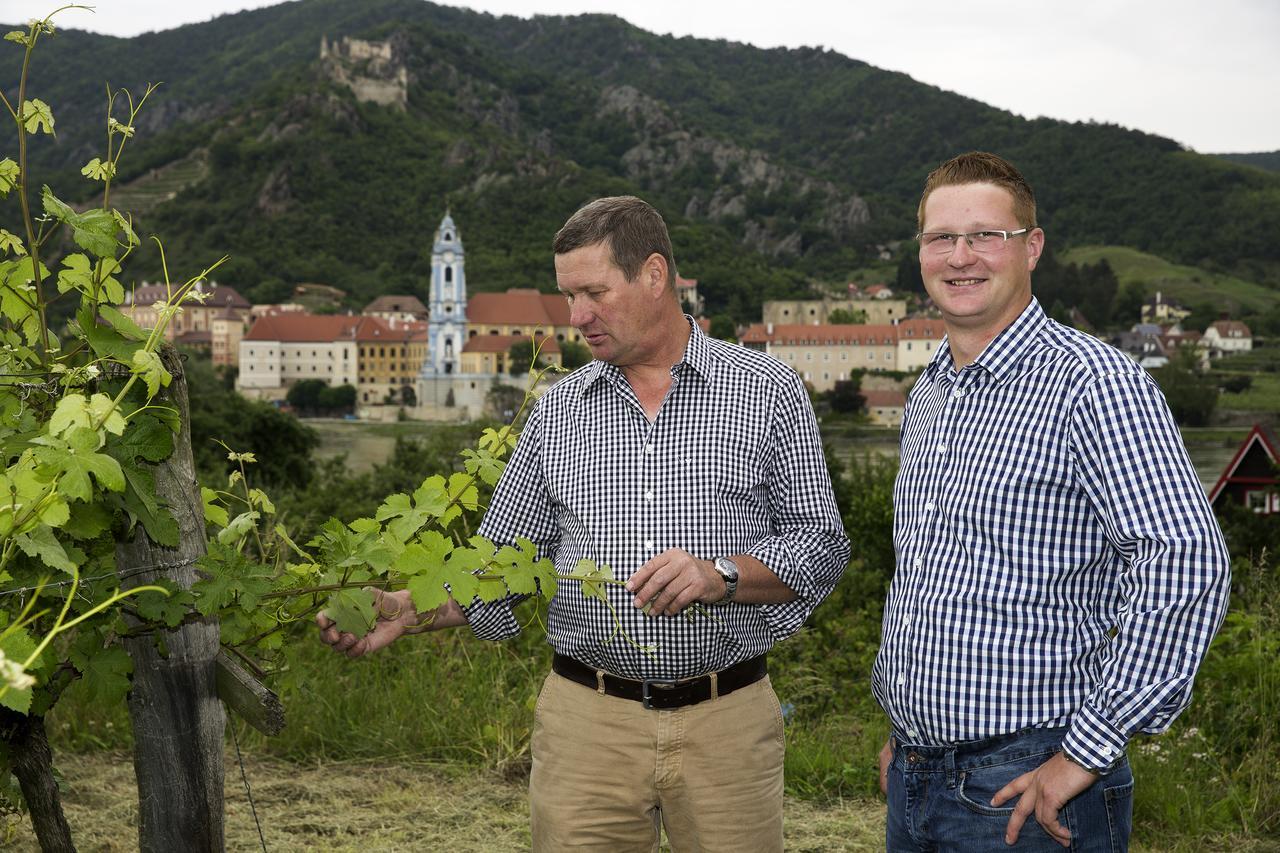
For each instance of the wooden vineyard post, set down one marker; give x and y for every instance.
(178, 720)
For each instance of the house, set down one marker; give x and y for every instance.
(885, 407)
(824, 354)
(213, 318)
(404, 309)
(875, 302)
(520, 311)
(1224, 337)
(687, 290)
(491, 354)
(281, 349)
(1250, 477)
(1162, 309)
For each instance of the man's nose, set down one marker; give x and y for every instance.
(579, 314)
(962, 253)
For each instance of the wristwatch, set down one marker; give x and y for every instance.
(728, 570)
(1096, 771)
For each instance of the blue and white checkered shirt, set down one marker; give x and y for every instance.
(1057, 562)
(732, 464)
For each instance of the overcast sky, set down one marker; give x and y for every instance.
(1205, 74)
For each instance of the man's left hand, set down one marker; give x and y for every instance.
(1044, 791)
(673, 580)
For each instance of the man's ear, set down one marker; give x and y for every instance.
(654, 272)
(1035, 247)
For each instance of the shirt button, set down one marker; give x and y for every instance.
(902, 679)
(906, 620)
(958, 393)
(1106, 750)
(648, 495)
(928, 507)
(648, 448)
(917, 563)
(648, 545)
(942, 448)
(913, 734)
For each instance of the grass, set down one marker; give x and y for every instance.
(1186, 284)
(1263, 396)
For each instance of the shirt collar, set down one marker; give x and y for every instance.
(697, 356)
(1003, 354)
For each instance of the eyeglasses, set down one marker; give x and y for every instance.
(942, 242)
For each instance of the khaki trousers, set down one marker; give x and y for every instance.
(607, 772)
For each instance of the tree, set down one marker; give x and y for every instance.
(845, 316)
(574, 355)
(723, 327)
(1127, 310)
(305, 395)
(1192, 395)
(846, 397)
(520, 358)
(341, 398)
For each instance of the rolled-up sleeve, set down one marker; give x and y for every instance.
(520, 508)
(807, 548)
(1175, 570)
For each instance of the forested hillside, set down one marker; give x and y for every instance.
(775, 167)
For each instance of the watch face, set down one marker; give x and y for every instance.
(448, 257)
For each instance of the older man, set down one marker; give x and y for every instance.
(693, 468)
(1059, 571)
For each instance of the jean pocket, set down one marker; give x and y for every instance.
(1119, 801)
(979, 784)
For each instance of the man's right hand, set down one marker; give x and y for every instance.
(886, 758)
(396, 616)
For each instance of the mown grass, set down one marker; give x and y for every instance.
(1186, 284)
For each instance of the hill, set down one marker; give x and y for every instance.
(775, 168)
(1269, 160)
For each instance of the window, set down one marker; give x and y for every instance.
(448, 275)
(493, 331)
(808, 356)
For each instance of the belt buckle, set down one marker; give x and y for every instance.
(646, 695)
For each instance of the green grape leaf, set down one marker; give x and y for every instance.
(169, 610)
(427, 592)
(94, 230)
(77, 273)
(591, 576)
(71, 412)
(147, 364)
(230, 575)
(17, 35)
(145, 438)
(11, 243)
(40, 543)
(462, 494)
(126, 225)
(114, 125)
(105, 341)
(259, 498)
(214, 512)
(483, 464)
(121, 322)
(516, 566)
(459, 573)
(36, 114)
(498, 442)
(9, 173)
(87, 521)
(17, 646)
(352, 609)
(142, 504)
(103, 411)
(238, 528)
(405, 519)
(105, 672)
(97, 170)
(544, 572)
(76, 459)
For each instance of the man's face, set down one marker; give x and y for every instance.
(981, 292)
(615, 316)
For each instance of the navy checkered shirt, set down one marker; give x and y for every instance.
(732, 464)
(1057, 562)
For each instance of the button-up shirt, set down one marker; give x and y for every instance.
(1057, 561)
(732, 464)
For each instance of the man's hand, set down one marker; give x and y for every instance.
(886, 758)
(673, 580)
(396, 617)
(1044, 791)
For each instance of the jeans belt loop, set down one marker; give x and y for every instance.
(600, 681)
(715, 686)
(949, 763)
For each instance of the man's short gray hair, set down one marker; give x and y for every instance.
(633, 228)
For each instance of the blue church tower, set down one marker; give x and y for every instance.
(447, 303)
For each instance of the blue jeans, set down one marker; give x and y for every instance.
(940, 798)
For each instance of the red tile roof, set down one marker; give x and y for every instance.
(396, 304)
(303, 328)
(518, 307)
(885, 399)
(682, 283)
(921, 328)
(1231, 328)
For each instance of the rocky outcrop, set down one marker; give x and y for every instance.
(734, 176)
(372, 70)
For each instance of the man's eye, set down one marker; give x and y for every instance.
(987, 236)
(942, 237)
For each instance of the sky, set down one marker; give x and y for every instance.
(1204, 74)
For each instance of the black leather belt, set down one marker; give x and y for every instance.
(658, 693)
